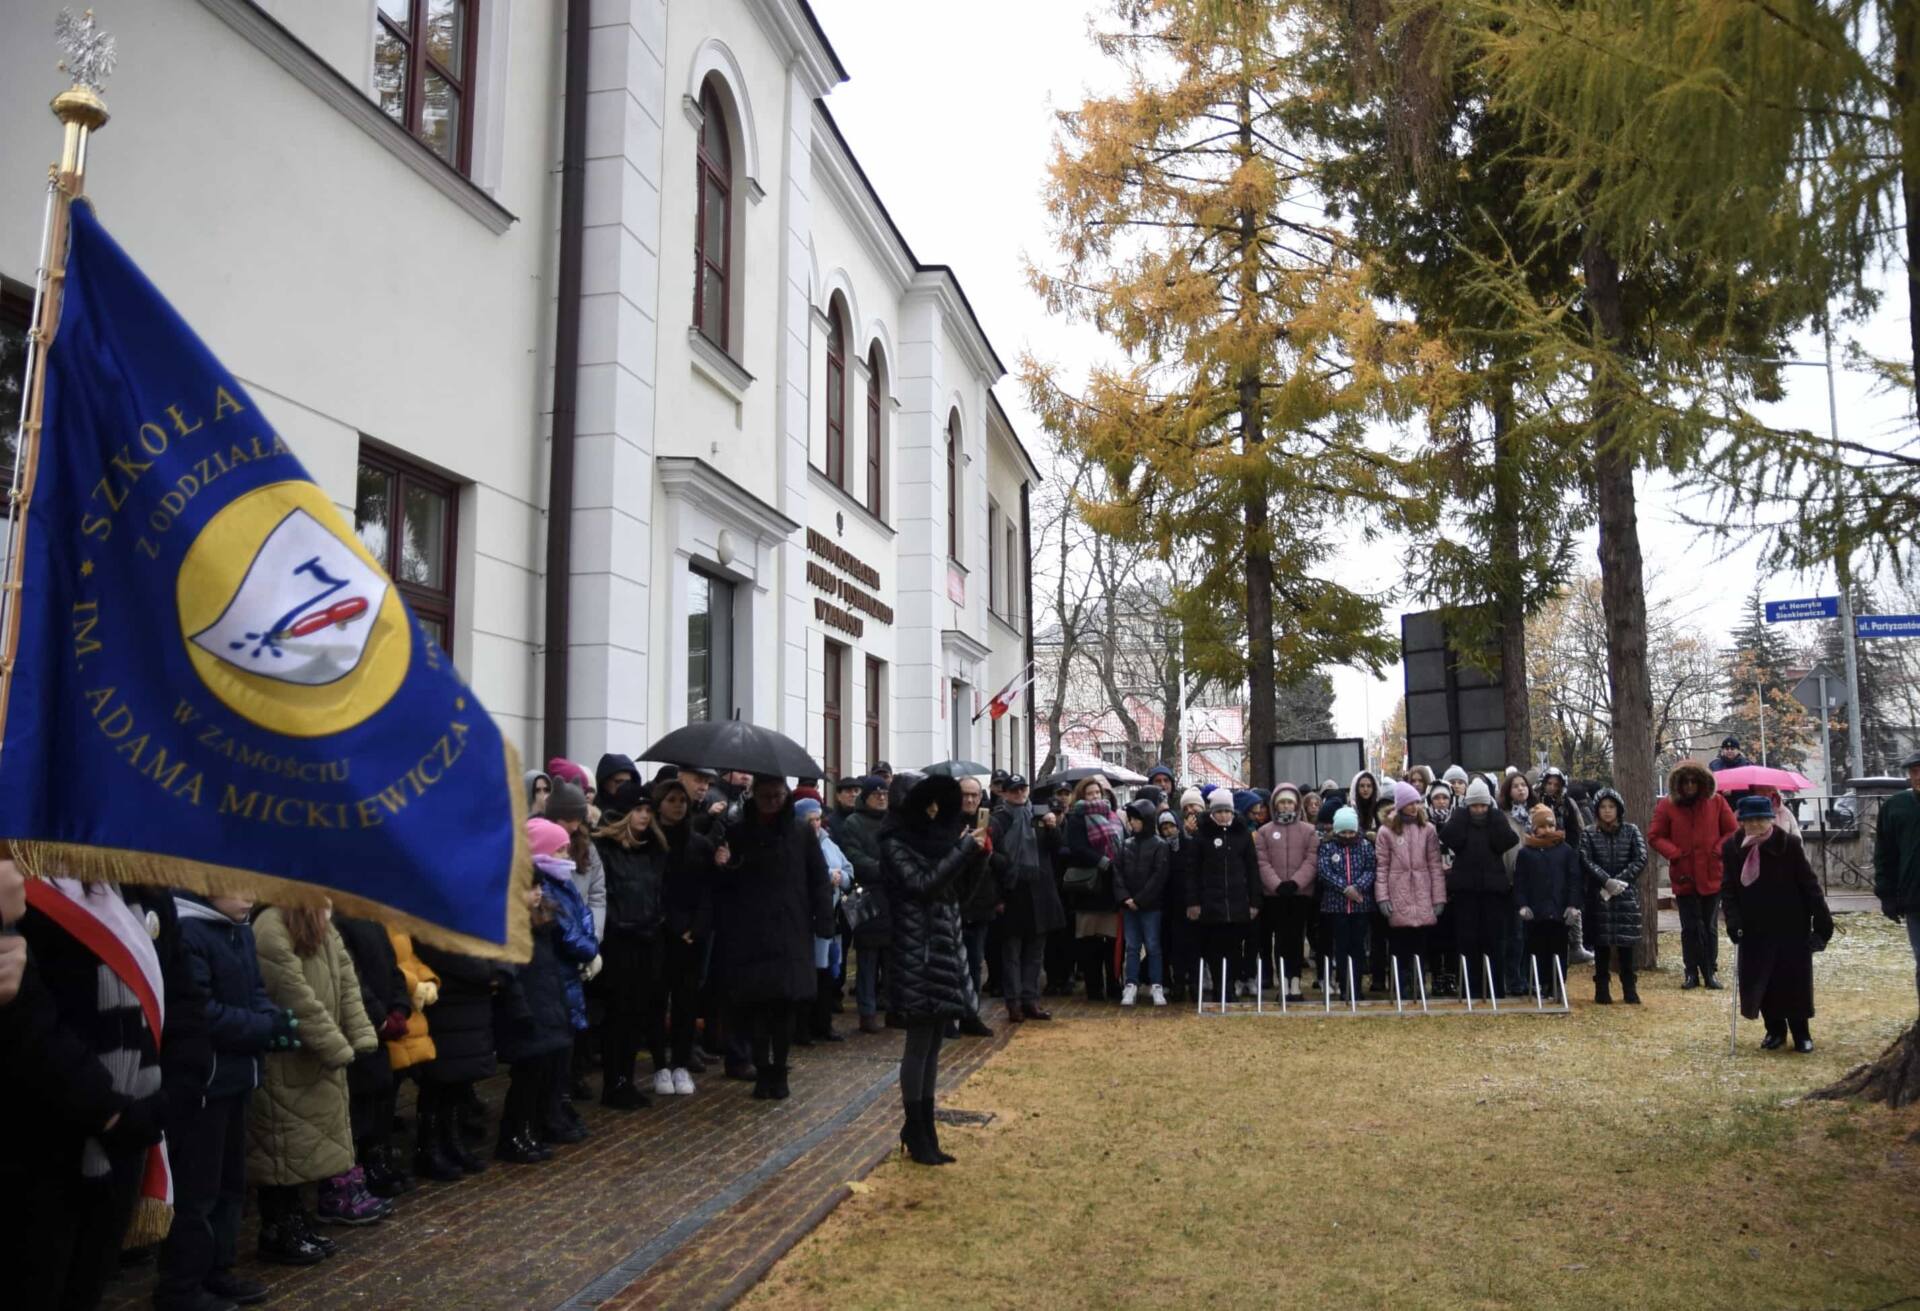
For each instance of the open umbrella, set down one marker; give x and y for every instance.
(1112, 773)
(1743, 777)
(726, 744)
(958, 768)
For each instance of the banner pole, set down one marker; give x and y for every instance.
(89, 57)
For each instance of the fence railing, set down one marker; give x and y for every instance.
(1838, 832)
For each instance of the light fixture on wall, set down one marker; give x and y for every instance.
(723, 548)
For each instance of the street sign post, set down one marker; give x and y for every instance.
(1806, 607)
(1887, 625)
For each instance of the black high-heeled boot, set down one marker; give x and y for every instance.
(430, 1157)
(931, 1127)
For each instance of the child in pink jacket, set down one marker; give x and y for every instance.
(1285, 848)
(1411, 886)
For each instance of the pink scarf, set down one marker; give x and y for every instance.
(1751, 869)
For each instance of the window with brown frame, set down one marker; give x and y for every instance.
(836, 396)
(406, 517)
(1014, 598)
(713, 224)
(876, 698)
(832, 759)
(875, 388)
(953, 487)
(423, 60)
(15, 315)
(995, 602)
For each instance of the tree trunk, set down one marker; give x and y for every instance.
(1261, 687)
(1508, 603)
(1904, 18)
(1623, 594)
(1893, 1079)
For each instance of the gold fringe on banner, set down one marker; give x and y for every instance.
(117, 865)
(151, 1220)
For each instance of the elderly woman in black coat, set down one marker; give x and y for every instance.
(926, 853)
(771, 899)
(1777, 916)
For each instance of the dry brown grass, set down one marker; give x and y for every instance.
(1610, 1160)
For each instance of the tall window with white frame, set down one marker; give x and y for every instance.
(709, 647)
(406, 517)
(423, 63)
(876, 389)
(953, 487)
(836, 394)
(1014, 598)
(832, 719)
(996, 604)
(713, 224)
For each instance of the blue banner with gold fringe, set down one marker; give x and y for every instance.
(217, 687)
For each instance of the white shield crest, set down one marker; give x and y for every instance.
(304, 611)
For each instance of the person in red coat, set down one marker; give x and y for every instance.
(1690, 826)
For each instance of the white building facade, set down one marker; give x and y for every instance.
(794, 497)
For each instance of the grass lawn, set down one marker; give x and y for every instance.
(1609, 1160)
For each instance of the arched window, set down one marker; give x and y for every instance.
(876, 388)
(953, 487)
(836, 394)
(713, 226)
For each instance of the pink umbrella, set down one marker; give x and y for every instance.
(1746, 777)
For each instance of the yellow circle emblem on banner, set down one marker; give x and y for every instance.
(288, 618)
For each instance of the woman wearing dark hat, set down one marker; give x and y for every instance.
(1023, 849)
(925, 855)
(859, 837)
(771, 899)
(635, 860)
(689, 926)
(1777, 916)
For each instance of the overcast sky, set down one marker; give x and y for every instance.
(954, 123)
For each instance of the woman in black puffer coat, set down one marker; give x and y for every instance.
(461, 1020)
(925, 854)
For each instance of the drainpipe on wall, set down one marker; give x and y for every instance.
(1026, 608)
(566, 376)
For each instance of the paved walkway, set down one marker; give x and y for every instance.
(685, 1204)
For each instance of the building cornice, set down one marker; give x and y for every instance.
(834, 166)
(694, 481)
(266, 34)
(1001, 426)
(936, 282)
(797, 35)
(964, 645)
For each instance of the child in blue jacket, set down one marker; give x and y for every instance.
(1346, 872)
(1547, 887)
(208, 1151)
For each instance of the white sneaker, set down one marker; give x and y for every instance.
(1159, 995)
(663, 1083)
(1128, 993)
(682, 1083)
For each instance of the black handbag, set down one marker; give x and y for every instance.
(857, 908)
(1086, 881)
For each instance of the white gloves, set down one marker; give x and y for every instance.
(1386, 908)
(591, 969)
(1614, 887)
(425, 993)
(1572, 916)
(1526, 913)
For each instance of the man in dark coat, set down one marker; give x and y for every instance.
(771, 899)
(1730, 757)
(1223, 887)
(859, 837)
(1479, 888)
(388, 1002)
(980, 905)
(1777, 917)
(1896, 859)
(1023, 849)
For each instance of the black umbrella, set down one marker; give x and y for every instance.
(958, 768)
(726, 744)
(1074, 775)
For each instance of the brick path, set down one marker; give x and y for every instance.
(684, 1204)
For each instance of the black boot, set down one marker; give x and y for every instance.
(430, 1158)
(915, 1139)
(778, 1089)
(453, 1142)
(1602, 987)
(1692, 980)
(973, 1026)
(1709, 980)
(932, 1129)
(1629, 993)
(383, 1180)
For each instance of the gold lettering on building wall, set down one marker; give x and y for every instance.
(858, 571)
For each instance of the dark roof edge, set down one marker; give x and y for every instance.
(820, 34)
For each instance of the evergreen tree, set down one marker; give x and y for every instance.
(1880, 675)
(1304, 709)
(1760, 702)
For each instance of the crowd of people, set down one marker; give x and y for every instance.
(167, 1053)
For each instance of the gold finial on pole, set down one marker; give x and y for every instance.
(89, 57)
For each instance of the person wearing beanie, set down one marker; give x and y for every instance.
(1251, 807)
(539, 785)
(1730, 757)
(1223, 888)
(1439, 803)
(1193, 805)
(1139, 885)
(1346, 869)
(634, 855)
(1411, 887)
(1612, 856)
(818, 1026)
(1546, 891)
(1690, 827)
(858, 836)
(1025, 839)
(1777, 917)
(1332, 798)
(1161, 776)
(1286, 850)
(1091, 840)
(1479, 885)
(1455, 778)
(1168, 828)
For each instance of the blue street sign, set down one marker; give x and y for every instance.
(1886, 625)
(1807, 607)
